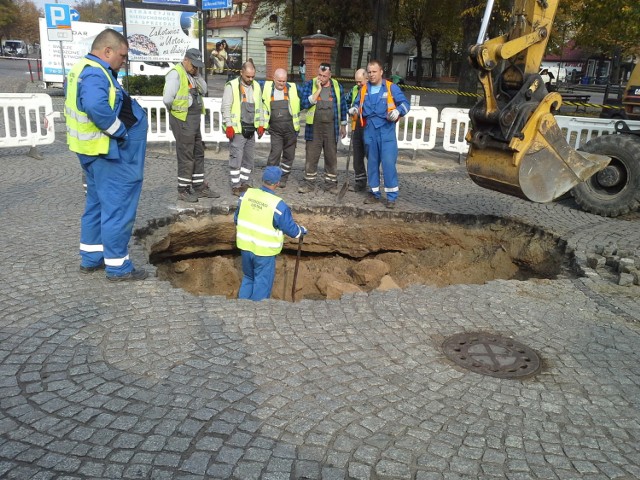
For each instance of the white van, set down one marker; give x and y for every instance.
(15, 48)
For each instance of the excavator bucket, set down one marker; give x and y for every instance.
(540, 166)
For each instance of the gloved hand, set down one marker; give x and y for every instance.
(260, 132)
(393, 115)
(230, 133)
(353, 111)
(304, 231)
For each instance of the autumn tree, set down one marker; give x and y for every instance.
(9, 13)
(106, 11)
(27, 27)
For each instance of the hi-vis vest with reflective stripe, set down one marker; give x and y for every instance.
(83, 136)
(255, 232)
(391, 104)
(180, 104)
(312, 110)
(294, 103)
(236, 111)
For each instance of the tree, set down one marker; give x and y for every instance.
(107, 11)
(27, 27)
(8, 16)
(608, 25)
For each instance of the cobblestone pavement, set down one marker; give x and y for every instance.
(142, 380)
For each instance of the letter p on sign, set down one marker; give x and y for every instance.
(57, 15)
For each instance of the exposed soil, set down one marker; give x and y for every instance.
(359, 253)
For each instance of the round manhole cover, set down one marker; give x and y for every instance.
(492, 355)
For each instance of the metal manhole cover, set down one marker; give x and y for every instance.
(492, 355)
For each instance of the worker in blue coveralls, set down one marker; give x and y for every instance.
(262, 219)
(379, 105)
(107, 129)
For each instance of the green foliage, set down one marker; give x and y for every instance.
(9, 13)
(144, 85)
(605, 25)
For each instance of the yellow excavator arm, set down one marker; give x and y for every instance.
(516, 146)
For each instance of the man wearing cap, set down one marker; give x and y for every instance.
(262, 220)
(183, 92)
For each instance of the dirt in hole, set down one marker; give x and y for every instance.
(359, 254)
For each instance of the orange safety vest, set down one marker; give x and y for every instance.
(391, 104)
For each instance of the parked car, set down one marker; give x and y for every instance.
(15, 48)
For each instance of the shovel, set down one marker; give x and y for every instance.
(345, 185)
(295, 271)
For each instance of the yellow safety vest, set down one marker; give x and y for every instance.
(312, 110)
(84, 136)
(180, 104)
(294, 103)
(255, 232)
(236, 111)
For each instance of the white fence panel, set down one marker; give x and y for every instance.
(418, 129)
(158, 118)
(26, 120)
(579, 130)
(456, 123)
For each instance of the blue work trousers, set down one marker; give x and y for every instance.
(381, 148)
(113, 192)
(258, 276)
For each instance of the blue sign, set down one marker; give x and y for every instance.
(75, 15)
(57, 15)
(216, 4)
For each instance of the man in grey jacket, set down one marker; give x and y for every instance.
(184, 89)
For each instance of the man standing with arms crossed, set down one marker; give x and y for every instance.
(241, 117)
(379, 105)
(107, 129)
(357, 137)
(326, 122)
(183, 95)
(281, 118)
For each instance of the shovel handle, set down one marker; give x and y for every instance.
(295, 270)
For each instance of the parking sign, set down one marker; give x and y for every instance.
(57, 15)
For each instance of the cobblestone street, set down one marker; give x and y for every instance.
(141, 380)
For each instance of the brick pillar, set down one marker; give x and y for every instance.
(317, 49)
(277, 54)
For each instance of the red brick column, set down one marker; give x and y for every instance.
(277, 54)
(317, 49)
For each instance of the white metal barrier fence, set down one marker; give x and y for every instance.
(26, 120)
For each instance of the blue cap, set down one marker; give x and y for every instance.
(272, 175)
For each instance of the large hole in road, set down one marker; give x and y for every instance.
(350, 250)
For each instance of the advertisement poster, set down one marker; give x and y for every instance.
(160, 35)
(225, 55)
(84, 33)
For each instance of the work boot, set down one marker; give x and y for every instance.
(92, 268)
(331, 187)
(360, 187)
(283, 181)
(306, 187)
(205, 192)
(133, 275)
(237, 191)
(391, 204)
(244, 187)
(371, 198)
(186, 195)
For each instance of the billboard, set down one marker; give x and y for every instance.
(225, 54)
(161, 35)
(84, 33)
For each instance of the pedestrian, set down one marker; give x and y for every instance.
(326, 119)
(107, 129)
(379, 105)
(281, 105)
(302, 69)
(357, 136)
(184, 90)
(242, 116)
(262, 220)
